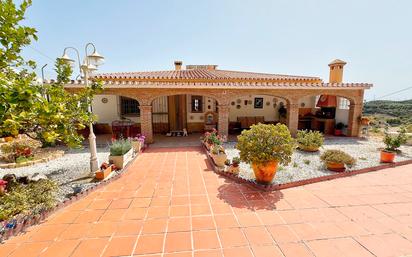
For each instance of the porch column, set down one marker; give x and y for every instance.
(293, 118)
(355, 111)
(146, 122)
(223, 120)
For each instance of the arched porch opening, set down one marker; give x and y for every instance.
(117, 115)
(173, 115)
(250, 109)
(329, 114)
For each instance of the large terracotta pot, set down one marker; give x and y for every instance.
(364, 121)
(308, 148)
(265, 172)
(334, 166)
(387, 157)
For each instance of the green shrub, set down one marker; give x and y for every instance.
(120, 147)
(26, 199)
(337, 156)
(309, 138)
(236, 161)
(264, 143)
(306, 161)
(393, 142)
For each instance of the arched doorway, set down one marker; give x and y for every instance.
(175, 113)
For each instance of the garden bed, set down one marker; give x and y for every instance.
(306, 167)
(40, 155)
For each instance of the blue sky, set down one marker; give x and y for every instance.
(274, 36)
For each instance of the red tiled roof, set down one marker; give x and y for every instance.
(201, 74)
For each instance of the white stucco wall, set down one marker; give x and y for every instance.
(268, 111)
(105, 112)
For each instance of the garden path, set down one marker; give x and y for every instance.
(170, 203)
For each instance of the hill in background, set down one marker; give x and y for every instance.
(398, 112)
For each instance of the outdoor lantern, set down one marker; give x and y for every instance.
(65, 58)
(95, 58)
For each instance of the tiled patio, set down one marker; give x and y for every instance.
(170, 203)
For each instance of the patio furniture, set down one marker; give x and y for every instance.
(124, 128)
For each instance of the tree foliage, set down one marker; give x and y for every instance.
(24, 107)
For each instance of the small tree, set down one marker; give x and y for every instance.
(23, 107)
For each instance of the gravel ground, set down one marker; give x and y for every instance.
(71, 171)
(306, 165)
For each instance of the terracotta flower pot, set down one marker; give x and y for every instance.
(338, 132)
(8, 139)
(334, 166)
(364, 121)
(308, 148)
(387, 157)
(234, 169)
(219, 159)
(265, 172)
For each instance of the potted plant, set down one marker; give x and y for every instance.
(218, 155)
(138, 143)
(336, 160)
(234, 166)
(309, 141)
(3, 185)
(392, 144)
(364, 121)
(265, 146)
(104, 172)
(121, 152)
(339, 129)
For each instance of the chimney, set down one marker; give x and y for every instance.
(178, 65)
(336, 71)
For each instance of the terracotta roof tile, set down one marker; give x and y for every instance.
(205, 74)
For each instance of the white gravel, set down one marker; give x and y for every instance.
(71, 170)
(306, 165)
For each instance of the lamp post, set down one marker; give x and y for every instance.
(90, 64)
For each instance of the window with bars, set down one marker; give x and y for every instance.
(129, 106)
(197, 103)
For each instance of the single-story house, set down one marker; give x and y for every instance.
(201, 97)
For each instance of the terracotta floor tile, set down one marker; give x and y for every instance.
(295, 249)
(258, 236)
(101, 204)
(160, 201)
(338, 247)
(76, 231)
(30, 249)
(178, 241)
(49, 232)
(90, 247)
(140, 202)
(283, 234)
(201, 209)
(205, 239)
(89, 216)
(238, 252)
(60, 248)
(203, 222)
(179, 211)
(179, 224)
(221, 209)
(266, 251)
(180, 200)
(120, 246)
(122, 203)
(158, 212)
(135, 213)
(232, 237)
(154, 226)
(248, 219)
(6, 249)
(113, 215)
(129, 227)
(102, 229)
(148, 244)
(181, 254)
(386, 245)
(208, 253)
(270, 218)
(226, 221)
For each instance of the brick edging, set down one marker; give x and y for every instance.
(14, 226)
(275, 187)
